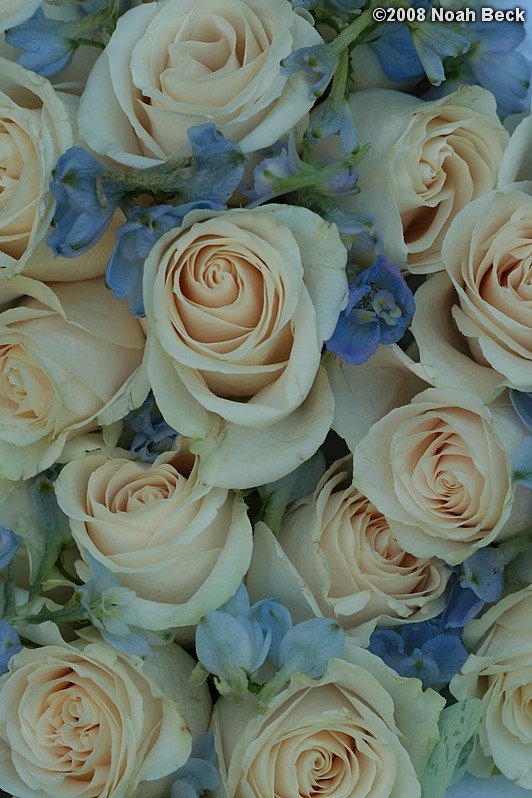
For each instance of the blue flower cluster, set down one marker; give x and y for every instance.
(379, 310)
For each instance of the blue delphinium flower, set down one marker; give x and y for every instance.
(522, 463)
(379, 310)
(9, 644)
(478, 581)
(199, 773)
(108, 606)
(410, 50)
(9, 543)
(136, 237)
(219, 166)
(46, 50)
(146, 434)
(421, 650)
(494, 63)
(319, 63)
(84, 207)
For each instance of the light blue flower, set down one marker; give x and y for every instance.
(46, 50)
(9, 543)
(522, 463)
(145, 433)
(108, 606)
(319, 63)
(219, 166)
(379, 310)
(421, 650)
(85, 204)
(9, 644)
(274, 618)
(522, 403)
(199, 773)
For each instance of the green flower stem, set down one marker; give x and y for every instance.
(9, 592)
(353, 31)
(71, 614)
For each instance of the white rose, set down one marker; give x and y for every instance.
(182, 546)
(69, 359)
(83, 720)
(355, 567)
(360, 730)
(34, 131)
(238, 305)
(426, 162)
(439, 470)
(14, 12)
(499, 671)
(172, 65)
(488, 256)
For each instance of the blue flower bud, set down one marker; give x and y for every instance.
(232, 648)
(199, 773)
(85, 206)
(272, 616)
(9, 543)
(308, 646)
(319, 63)
(46, 50)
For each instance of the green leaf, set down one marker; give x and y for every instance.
(448, 760)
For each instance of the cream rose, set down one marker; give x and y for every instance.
(182, 546)
(82, 720)
(499, 671)
(426, 162)
(69, 360)
(35, 130)
(360, 730)
(439, 470)
(491, 276)
(238, 305)
(14, 12)
(345, 551)
(172, 65)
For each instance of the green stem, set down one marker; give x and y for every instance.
(9, 591)
(65, 614)
(354, 30)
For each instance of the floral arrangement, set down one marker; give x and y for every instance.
(265, 399)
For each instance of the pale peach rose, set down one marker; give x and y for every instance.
(69, 360)
(352, 562)
(439, 469)
(181, 545)
(361, 730)
(35, 129)
(172, 65)
(238, 304)
(499, 671)
(488, 256)
(83, 721)
(426, 162)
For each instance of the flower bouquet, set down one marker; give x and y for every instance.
(265, 399)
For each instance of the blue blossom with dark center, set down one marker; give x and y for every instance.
(494, 63)
(47, 50)
(85, 204)
(136, 237)
(146, 434)
(9, 644)
(9, 543)
(422, 651)
(379, 310)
